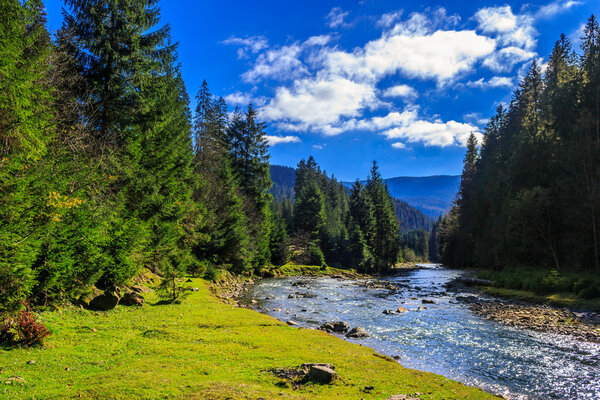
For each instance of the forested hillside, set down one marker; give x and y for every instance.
(106, 172)
(530, 196)
(410, 218)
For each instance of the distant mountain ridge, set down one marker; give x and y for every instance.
(420, 214)
(431, 194)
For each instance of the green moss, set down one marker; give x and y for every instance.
(199, 349)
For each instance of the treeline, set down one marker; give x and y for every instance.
(326, 225)
(104, 170)
(530, 196)
(414, 226)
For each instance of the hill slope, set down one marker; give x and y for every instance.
(410, 217)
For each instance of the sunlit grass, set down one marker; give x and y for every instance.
(199, 349)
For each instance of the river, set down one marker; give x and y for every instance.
(445, 338)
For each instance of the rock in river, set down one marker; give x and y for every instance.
(357, 332)
(338, 326)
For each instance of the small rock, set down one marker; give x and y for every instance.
(253, 301)
(304, 310)
(67, 369)
(292, 323)
(401, 309)
(30, 362)
(132, 299)
(322, 374)
(357, 332)
(427, 301)
(277, 309)
(291, 296)
(104, 302)
(389, 312)
(421, 308)
(189, 280)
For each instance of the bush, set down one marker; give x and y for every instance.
(315, 255)
(23, 329)
(211, 273)
(198, 268)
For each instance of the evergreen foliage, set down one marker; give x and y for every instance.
(531, 195)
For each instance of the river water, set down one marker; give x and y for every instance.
(445, 338)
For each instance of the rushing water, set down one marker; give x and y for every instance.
(445, 338)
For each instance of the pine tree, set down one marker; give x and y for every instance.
(25, 130)
(384, 242)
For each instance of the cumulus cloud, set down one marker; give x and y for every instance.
(441, 55)
(319, 103)
(435, 133)
(275, 140)
(402, 91)
(399, 145)
(509, 29)
(242, 99)
(336, 16)
(249, 45)
(505, 59)
(281, 63)
(494, 82)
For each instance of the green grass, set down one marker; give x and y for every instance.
(199, 349)
(561, 299)
(574, 289)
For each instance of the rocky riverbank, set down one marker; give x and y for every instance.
(542, 318)
(583, 326)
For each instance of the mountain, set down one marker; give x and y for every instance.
(410, 217)
(431, 194)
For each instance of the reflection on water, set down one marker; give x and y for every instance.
(445, 338)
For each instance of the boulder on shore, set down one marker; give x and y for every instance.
(337, 326)
(357, 332)
(321, 374)
(132, 299)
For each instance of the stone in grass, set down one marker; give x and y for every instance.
(402, 397)
(357, 332)
(292, 323)
(132, 299)
(104, 302)
(321, 374)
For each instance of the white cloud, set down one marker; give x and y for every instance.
(510, 29)
(441, 55)
(436, 133)
(557, 7)
(275, 140)
(281, 63)
(403, 91)
(252, 44)
(316, 104)
(389, 19)
(399, 145)
(505, 59)
(320, 40)
(494, 82)
(242, 99)
(336, 17)
(318, 146)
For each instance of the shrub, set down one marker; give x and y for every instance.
(315, 255)
(211, 273)
(23, 329)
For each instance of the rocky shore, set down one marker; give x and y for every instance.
(541, 318)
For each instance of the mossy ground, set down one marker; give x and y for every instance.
(199, 349)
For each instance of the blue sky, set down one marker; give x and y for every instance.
(403, 83)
